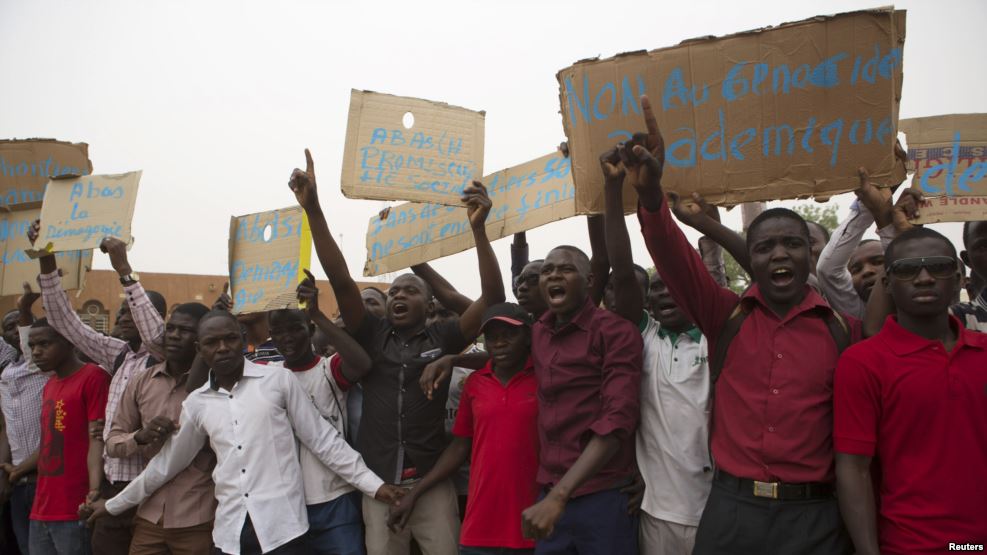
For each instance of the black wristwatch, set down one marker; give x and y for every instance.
(129, 279)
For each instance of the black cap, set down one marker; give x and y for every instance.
(508, 313)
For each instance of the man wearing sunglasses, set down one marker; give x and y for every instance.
(915, 397)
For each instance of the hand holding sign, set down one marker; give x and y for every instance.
(308, 295)
(906, 209)
(876, 199)
(117, 250)
(477, 204)
(302, 183)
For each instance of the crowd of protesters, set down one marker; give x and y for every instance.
(838, 405)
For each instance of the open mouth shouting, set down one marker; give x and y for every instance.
(399, 310)
(782, 276)
(556, 294)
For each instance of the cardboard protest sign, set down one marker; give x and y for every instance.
(524, 197)
(18, 267)
(779, 113)
(949, 157)
(268, 251)
(27, 165)
(430, 155)
(78, 213)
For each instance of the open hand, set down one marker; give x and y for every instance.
(434, 374)
(302, 183)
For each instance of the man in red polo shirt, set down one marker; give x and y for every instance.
(496, 426)
(915, 397)
(588, 366)
(772, 422)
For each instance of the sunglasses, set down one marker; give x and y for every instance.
(939, 267)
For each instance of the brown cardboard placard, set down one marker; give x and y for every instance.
(27, 165)
(778, 113)
(18, 268)
(524, 197)
(268, 252)
(433, 160)
(77, 213)
(949, 157)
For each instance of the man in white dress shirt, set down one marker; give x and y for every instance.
(251, 415)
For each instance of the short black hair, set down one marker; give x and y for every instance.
(772, 213)
(218, 313)
(383, 296)
(194, 310)
(968, 231)
(580, 255)
(43, 323)
(158, 300)
(293, 312)
(641, 272)
(429, 294)
(911, 235)
(821, 227)
(11, 311)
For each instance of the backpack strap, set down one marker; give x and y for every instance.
(118, 361)
(838, 329)
(730, 330)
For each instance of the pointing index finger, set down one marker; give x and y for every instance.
(308, 275)
(309, 164)
(654, 135)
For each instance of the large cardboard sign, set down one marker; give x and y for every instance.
(949, 157)
(268, 251)
(18, 267)
(78, 213)
(430, 155)
(27, 165)
(778, 113)
(524, 197)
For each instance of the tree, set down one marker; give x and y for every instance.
(822, 214)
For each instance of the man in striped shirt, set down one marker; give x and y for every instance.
(122, 358)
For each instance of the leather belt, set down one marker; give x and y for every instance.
(775, 490)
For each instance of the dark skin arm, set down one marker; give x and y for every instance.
(442, 289)
(538, 521)
(698, 215)
(440, 369)
(94, 464)
(26, 467)
(856, 495)
(449, 462)
(24, 304)
(599, 260)
(879, 304)
(351, 308)
(356, 361)
(47, 262)
(491, 284)
(627, 292)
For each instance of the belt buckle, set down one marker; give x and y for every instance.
(766, 489)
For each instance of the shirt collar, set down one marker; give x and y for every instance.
(811, 301)
(693, 333)
(307, 366)
(487, 370)
(582, 319)
(250, 370)
(903, 342)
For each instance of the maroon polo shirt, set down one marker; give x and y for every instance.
(589, 379)
(773, 404)
(501, 421)
(922, 412)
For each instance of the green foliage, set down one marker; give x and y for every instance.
(822, 214)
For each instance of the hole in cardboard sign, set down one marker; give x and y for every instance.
(268, 233)
(408, 120)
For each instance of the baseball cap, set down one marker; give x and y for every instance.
(509, 313)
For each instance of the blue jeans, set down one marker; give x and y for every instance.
(62, 537)
(336, 527)
(469, 550)
(593, 524)
(21, 499)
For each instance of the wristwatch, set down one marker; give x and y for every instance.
(129, 279)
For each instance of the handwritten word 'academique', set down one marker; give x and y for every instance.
(743, 79)
(973, 157)
(432, 165)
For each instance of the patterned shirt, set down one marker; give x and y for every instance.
(973, 314)
(20, 398)
(105, 351)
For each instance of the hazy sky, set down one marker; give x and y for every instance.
(216, 101)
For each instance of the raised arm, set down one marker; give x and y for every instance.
(148, 320)
(102, 349)
(442, 289)
(351, 307)
(356, 361)
(519, 255)
(628, 297)
(491, 284)
(694, 290)
(599, 259)
(699, 215)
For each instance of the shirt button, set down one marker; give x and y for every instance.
(231, 396)
(775, 391)
(779, 355)
(239, 446)
(246, 495)
(771, 428)
(676, 359)
(243, 470)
